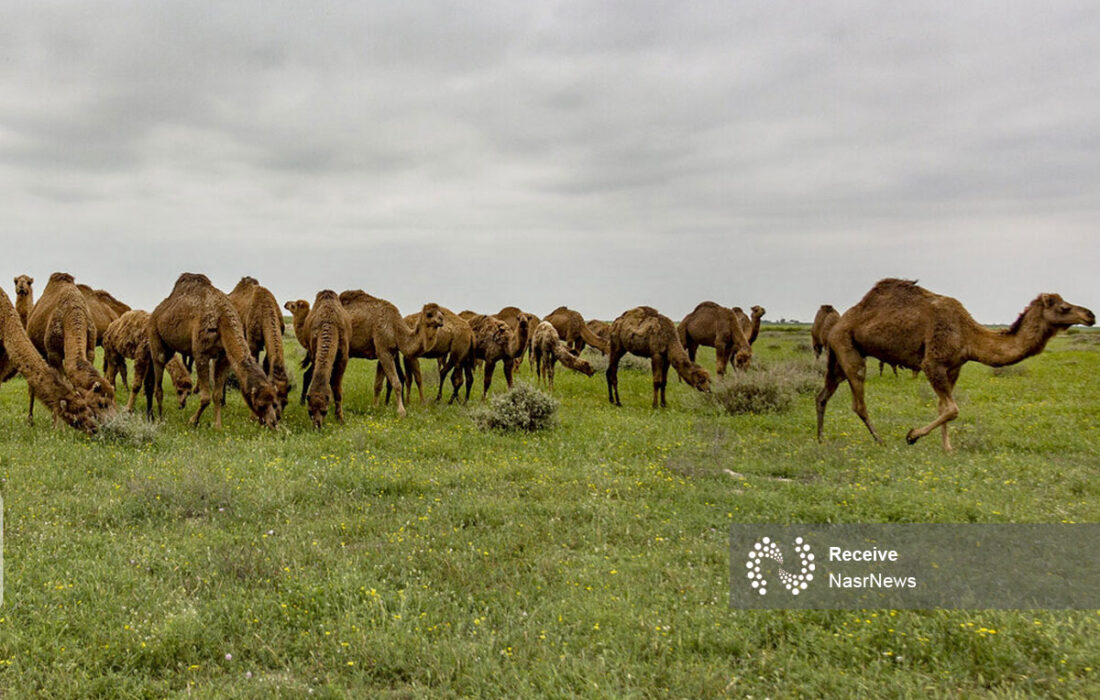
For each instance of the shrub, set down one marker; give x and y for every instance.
(128, 429)
(628, 363)
(765, 388)
(521, 408)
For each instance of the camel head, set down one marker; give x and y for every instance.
(184, 388)
(23, 285)
(742, 358)
(263, 402)
(1061, 314)
(297, 307)
(758, 312)
(77, 414)
(698, 378)
(318, 406)
(585, 367)
(430, 321)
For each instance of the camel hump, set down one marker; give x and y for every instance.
(250, 281)
(828, 308)
(559, 310)
(325, 295)
(62, 277)
(193, 279)
(701, 306)
(351, 296)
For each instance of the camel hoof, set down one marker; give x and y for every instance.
(911, 438)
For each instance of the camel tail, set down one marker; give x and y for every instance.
(594, 340)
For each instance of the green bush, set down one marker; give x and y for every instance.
(765, 388)
(128, 429)
(521, 408)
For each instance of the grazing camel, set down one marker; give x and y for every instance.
(198, 320)
(128, 338)
(749, 326)
(906, 325)
(263, 329)
(549, 348)
(24, 297)
(715, 326)
(378, 332)
(824, 320)
(495, 342)
(644, 332)
(573, 331)
(65, 402)
(328, 328)
(62, 329)
(453, 347)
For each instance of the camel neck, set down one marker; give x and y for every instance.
(999, 348)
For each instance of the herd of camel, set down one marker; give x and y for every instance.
(52, 342)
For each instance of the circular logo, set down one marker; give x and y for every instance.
(765, 548)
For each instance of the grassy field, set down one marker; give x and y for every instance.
(422, 556)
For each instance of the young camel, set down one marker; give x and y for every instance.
(749, 326)
(495, 342)
(453, 347)
(65, 402)
(127, 338)
(299, 312)
(907, 325)
(328, 328)
(198, 320)
(550, 348)
(263, 329)
(62, 329)
(715, 326)
(645, 333)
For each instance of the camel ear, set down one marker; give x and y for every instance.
(30, 280)
(1048, 300)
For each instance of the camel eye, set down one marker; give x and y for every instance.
(1064, 309)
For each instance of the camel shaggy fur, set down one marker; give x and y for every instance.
(263, 329)
(328, 328)
(66, 403)
(644, 332)
(127, 338)
(62, 329)
(198, 320)
(715, 326)
(573, 331)
(903, 324)
(824, 320)
(548, 349)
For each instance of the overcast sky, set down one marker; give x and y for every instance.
(599, 155)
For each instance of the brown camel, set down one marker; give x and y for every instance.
(263, 329)
(299, 311)
(824, 320)
(425, 325)
(24, 297)
(495, 342)
(65, 402)
(453, 347)
(127, 338)
(749, 326)
(645, 333)
(574, 331)
(104, 309)
(715, 326)
(198, 320)
(61, 328)
(602, 329)
(328, 328)
(548, 349)
(511, 315)
(378, 332)
(906, 325)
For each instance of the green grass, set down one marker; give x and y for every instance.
(426, 557)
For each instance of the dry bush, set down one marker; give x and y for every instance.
(521, 408)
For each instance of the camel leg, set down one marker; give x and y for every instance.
(833, 377)
(664, 379)
(386, 362)
(141, 366)
(855, 369)
(550, 373)
(30, 406)
(943, 384)
(468, 373)
(445, 367)
(488, 377)
(336, 381)
(614, 354)
(202, 371)
(508, 371)
(307, 379)
(722, 357)
(379, 375)
(221, 373)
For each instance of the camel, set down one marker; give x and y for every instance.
(750, 327)
(104, 308)
(511, 315)
(65, 402)
(425, 325)
(906, 325)
(573, 331)
(549, 348)
(601, 328)
(24, 297)
(378, 332)
(263, 329)
(824, 320)
(645, 333)
(328, 328)
(495, 342)
(199, 320)
(715, 326)
(453, 347)
(61, 328)
(127, 338)
(299, 312)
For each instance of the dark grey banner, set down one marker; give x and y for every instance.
(916, 566)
